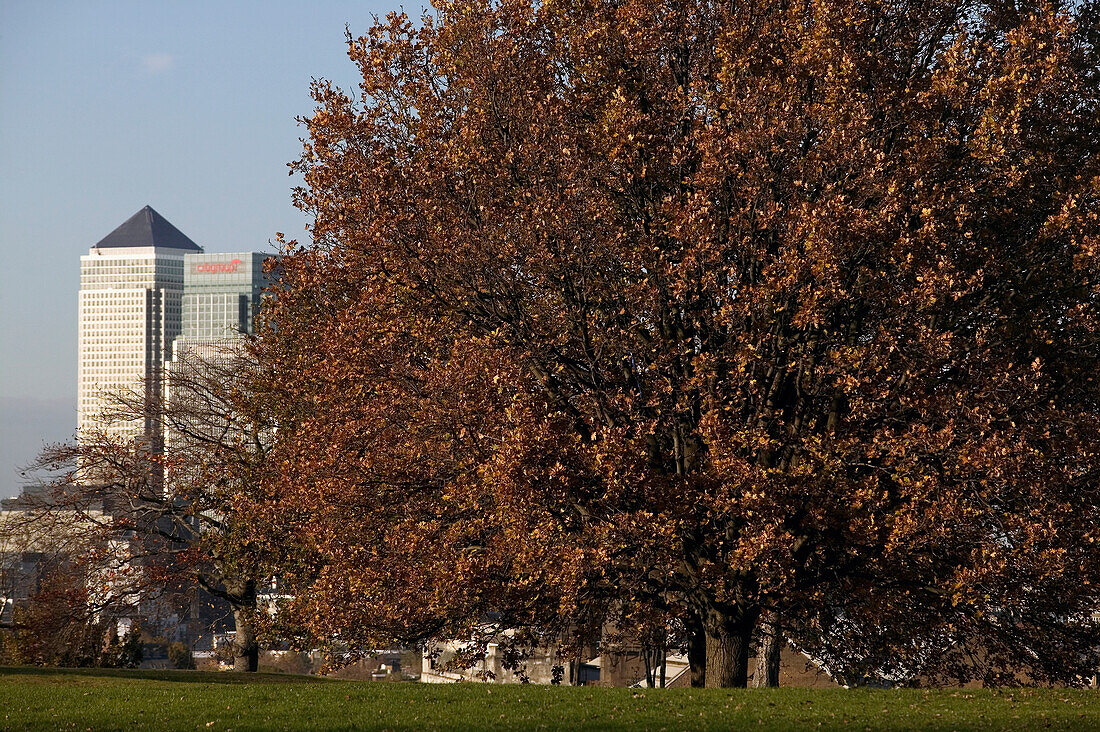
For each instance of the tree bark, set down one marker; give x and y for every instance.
(729, 638)
(767, 653)
(246, 652)
(697, 652)
(242, 597)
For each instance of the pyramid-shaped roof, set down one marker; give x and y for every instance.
(147, 228)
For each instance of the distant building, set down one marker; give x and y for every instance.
(31, 548)
(148, 296)
(131, 290)
(221, 295)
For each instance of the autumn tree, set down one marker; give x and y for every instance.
(53, 614)
(783, 308)
(57, 625)
(160, 509)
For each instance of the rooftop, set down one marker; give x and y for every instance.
(147, 228)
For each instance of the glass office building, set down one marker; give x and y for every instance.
(221, 293)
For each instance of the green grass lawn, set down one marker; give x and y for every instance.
(170, 700)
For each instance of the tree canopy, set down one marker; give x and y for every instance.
(619, 311)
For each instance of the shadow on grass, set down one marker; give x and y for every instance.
(185, 677)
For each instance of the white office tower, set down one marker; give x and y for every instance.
(131, 289)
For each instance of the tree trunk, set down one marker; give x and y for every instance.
(242, 597)
(246, 652)
(767, 652)
(697, 652)
(729, 637)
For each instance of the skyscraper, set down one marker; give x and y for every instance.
(221, 293)
(131, 289)
(148, 293)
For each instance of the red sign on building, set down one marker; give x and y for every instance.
(217, 267)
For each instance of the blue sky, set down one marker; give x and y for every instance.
(108, 106)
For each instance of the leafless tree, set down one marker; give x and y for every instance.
(160, 506)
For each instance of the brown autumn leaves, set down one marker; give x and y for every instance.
(673, 316)
(680, 314)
